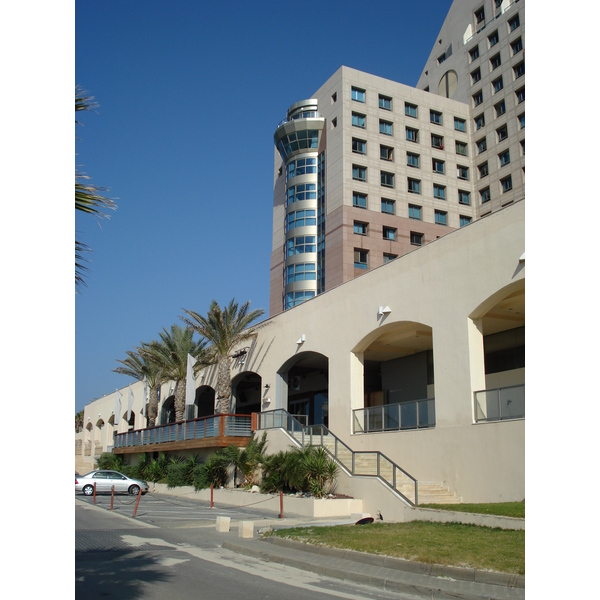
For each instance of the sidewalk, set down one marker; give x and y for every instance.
(390, 574)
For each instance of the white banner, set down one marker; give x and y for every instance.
(190, 381)
(118, 397)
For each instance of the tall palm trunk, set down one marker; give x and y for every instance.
(179, 400)
(152, 406)
(223, 384)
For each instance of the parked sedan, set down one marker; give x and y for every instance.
(105, 480)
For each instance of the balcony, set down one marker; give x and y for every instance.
(216, 431)
(415, 414)
(500, 404)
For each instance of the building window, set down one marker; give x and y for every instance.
(522, 147)
(359, 120)
(412, 160)
(464, 220)
(302, 166)
(416, 239)
(506, 184)
(410, 110)
(504, 158)
(520, 95)
(435, 117)
(461, 148)
(388, 257)
(386, 153)
(481, 145)
(521, 118)
(334, 98)
(479, 16)
(414, 212)
(412, 135)
(462, 172)
(439, 191)
(502, 133)
(301, 218)
(484, 194)
(414, 186)
(478, 98)
(385, 102)
(359, 173)
(483, 170)
(479, 122)
(441, 217)
(493, 39)
(464, 197)
(361, 259)
(437, 166)
(495, 61)
(475, 76)
(387, 179)
(359, 200)
(519, 70)
(360, 228)
(474, 53)
(514, 22)
(460, 124)
(300, 272)
(294, 298)
(388, 206)
(441, 58)
(385, 127)
(304, 244)
(389, 233)
(358, 95)
(304, 191)
(497, 84)
(359, 146)
(500, 108)
(437, 141)
(516, 46)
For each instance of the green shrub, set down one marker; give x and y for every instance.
(212, 472)
(110, 461)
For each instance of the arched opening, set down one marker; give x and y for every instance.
(131, 421)
(204, 404)
(307, 378)
(98, 431)
(399, 385)
(167, 411)
(246, 392)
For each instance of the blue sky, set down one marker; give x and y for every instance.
(189, 97)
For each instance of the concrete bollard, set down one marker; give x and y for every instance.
(246, 529)
(223, 524)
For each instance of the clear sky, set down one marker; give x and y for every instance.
(189, 96)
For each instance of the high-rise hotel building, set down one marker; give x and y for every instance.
(369, 169)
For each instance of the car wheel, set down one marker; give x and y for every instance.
(88, 490)
(134, 490)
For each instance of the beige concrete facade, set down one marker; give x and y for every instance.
(446, 299)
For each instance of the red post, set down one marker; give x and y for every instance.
(94, 492)
(137, 502)
(112, 497)
(281, 504)
(211, 495)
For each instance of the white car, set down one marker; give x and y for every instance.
(105, 480)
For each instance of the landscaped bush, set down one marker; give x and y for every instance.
(110, 461)
(180, 470)
(212, 472)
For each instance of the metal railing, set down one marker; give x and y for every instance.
(363, 463)
(414, 414)
(225, 425)
(500, 404)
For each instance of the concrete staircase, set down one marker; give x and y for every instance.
(365, 463)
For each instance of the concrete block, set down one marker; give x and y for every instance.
(223, 524)
(246, 529)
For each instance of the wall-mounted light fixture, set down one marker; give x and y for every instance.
(267, 400)
(301, 340)
(267, 386)
(522, 258)
(384, 310)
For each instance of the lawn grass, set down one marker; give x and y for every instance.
(502, 509)
(454, 544)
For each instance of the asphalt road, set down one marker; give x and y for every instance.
(166, 553)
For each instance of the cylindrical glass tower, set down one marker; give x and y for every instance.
(297, 139)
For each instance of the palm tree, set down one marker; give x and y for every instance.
(224, 328)
(88, 198)
(170, 355)
(138, 365)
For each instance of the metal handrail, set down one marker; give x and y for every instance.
(281, 419)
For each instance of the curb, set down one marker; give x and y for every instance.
(385, 567)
